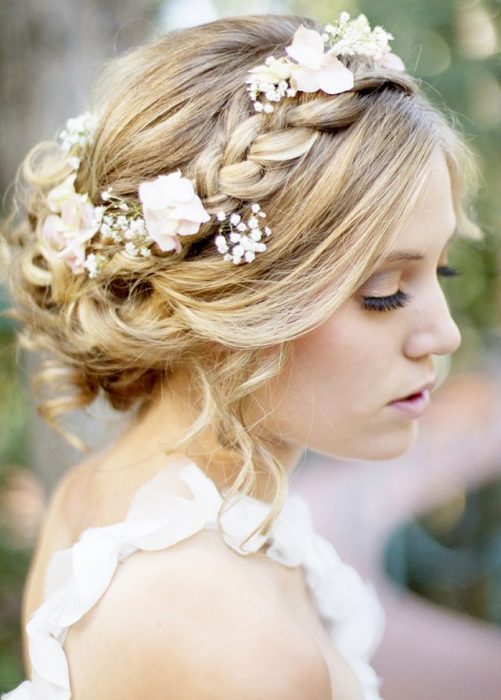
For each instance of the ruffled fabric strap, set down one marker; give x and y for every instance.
(78, 576)
(349, 607)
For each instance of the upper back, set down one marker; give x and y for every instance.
(192, 622)
(217, 620)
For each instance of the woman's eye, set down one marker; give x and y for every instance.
(393, 301)
(399, 298)
(446, 271)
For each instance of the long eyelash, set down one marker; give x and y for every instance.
(400, 299)
(393, 301)
(446, 271)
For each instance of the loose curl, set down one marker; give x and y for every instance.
(337, 176)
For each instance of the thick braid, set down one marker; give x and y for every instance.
(244, 169)
(249, 163)
(325, 113)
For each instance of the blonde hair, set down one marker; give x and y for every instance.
(336, 174)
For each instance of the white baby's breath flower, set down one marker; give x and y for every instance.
(94, 264)
(130, 249)
(99, 213)
(137, 225)
(78, 131)
(242, 243)
(74, 162)
(221, 244)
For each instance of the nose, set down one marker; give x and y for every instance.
(434, 332)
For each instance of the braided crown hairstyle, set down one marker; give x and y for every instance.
(336, 175)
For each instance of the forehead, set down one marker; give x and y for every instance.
(433, 219)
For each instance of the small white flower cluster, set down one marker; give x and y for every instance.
(271, 82)
(122, 225)
(350, 37)
(239, 240)
(94, 264)
(79, 131)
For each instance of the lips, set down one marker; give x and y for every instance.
(417, 392)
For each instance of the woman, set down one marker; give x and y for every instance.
(241, 245)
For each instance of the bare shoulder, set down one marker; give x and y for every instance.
(196, 621)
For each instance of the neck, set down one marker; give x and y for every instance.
(170, 413)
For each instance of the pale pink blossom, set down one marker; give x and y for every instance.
(171, 209)
(72, 229)
(316, 69)
(58, 195)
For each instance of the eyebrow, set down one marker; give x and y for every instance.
(413, 255)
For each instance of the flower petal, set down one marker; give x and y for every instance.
(335, 77)
(304, 79)
(165, 241)
(177, 188)
(159, 223)
(307, 48)
(187, 228)
(165, 191)
(192, 210)
(53, 229)
(70, 212)
(74, 256)
(58, 195)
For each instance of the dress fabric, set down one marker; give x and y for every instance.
(78, 576)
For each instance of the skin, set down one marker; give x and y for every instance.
(333, 397)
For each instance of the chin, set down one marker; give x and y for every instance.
(379, 448)
(394, 445)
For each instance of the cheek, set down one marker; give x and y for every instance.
(344, 366)
(327, 354)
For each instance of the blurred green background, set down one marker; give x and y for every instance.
(47, 65)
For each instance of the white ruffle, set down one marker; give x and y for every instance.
(78, 576)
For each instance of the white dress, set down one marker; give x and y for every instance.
(78, 576)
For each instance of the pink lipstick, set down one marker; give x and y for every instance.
(414, 405)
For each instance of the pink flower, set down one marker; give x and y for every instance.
(316, 69)
(72, 229)
(171, 209)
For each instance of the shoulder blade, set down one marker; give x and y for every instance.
(193, 623)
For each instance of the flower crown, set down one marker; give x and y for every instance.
(316, 63)
(87, 236)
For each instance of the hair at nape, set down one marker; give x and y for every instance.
(336, 175)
